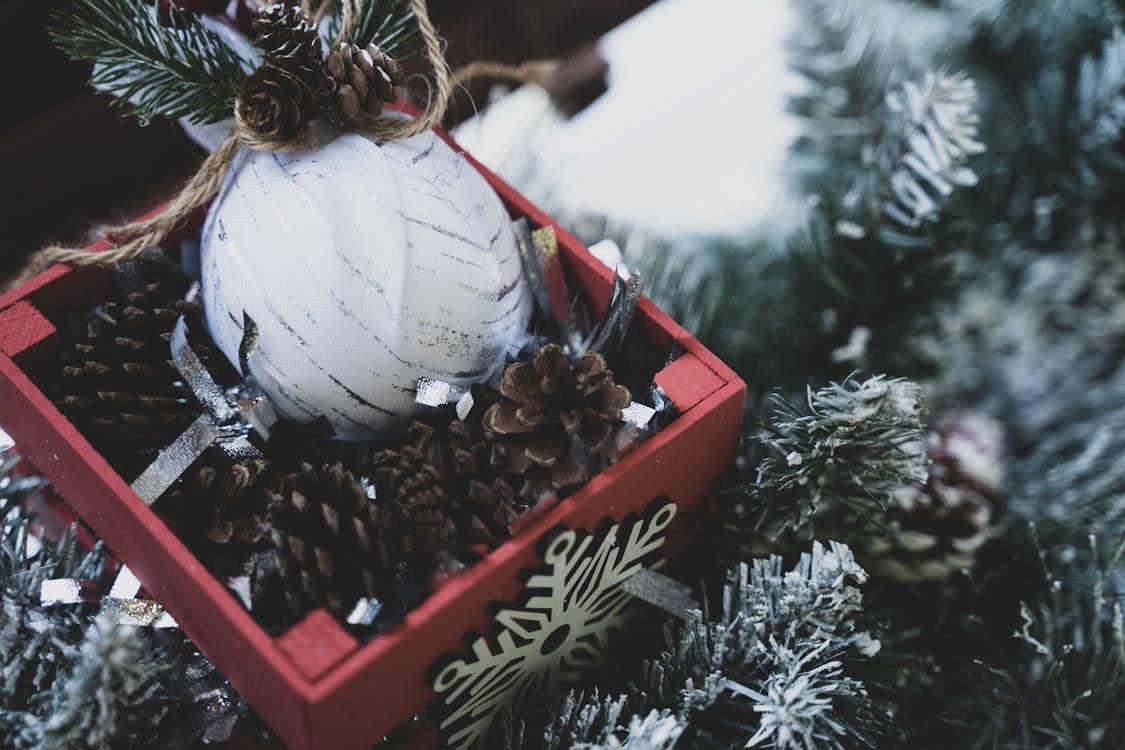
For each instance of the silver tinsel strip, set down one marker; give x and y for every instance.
(174, 460)
(223, 424)
(210, 395)
(661, 591)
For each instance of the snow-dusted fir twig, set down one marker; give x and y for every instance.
(771, 671)
(111, 694)
(854, 444)
(655, 731)
(1076, 117)
(927, 149)
(1065, 682)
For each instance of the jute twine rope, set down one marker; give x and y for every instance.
(133, 238)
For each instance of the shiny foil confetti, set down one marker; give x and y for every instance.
(66, 591)
(430, 392)
(365, 611)
(126, 585)
(240, 585)
(637, 415)
(136, 612)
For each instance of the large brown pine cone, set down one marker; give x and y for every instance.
(360, 81)
(119, 386)
(546, 406)
(328, 546)
(275, 103)
(935, 530)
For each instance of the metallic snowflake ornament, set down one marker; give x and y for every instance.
(561, 628)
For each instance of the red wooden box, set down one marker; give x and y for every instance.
(315, 685)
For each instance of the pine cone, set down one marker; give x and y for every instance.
(546, 406)
(119, 386)
(936, 529)
(360, 81)
(284, 33)
(222, 509)
(276, 103)
(328, 547)
(430, 504)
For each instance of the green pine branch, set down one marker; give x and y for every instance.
(388, 24)
(154, 66)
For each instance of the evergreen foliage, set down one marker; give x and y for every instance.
(152, 67)
(69, 676)
(115, 691)
(771, 671)
(1063, 685)
(842, 457)
(388, 24)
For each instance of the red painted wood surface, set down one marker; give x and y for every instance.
(314, 685)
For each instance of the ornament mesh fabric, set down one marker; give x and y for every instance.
(365, 267)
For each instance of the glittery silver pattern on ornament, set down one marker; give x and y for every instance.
(366, 268)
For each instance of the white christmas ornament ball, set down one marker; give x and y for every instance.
(365, 268)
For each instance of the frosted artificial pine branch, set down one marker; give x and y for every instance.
(36, 642)
(1065, 681)
(817, 598)
(934, 137)
(772, 669)
(847, 452)
(112, 692)
(656, 731)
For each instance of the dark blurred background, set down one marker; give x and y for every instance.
(68, 161)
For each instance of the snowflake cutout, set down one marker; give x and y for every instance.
(561, 628)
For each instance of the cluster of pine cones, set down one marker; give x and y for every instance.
(336, 522)
(296, 83)
(329, 531)
(117, 382)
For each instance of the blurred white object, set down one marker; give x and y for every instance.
(690, 138)
(610, 254)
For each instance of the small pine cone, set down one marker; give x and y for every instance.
(935, 530)
(360, 81)
(276, 103)
(222, 509)
(285, 33)
(119, 385)
(546, 406)
(439, 492)
(479, 470)
(410, 491)
(328, 547)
